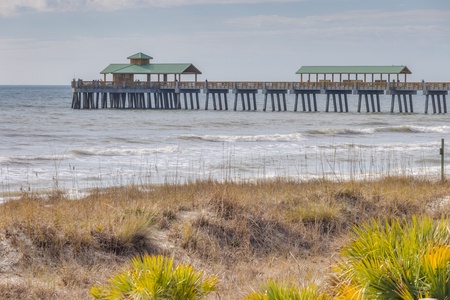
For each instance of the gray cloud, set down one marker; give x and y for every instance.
(13, 7)
(413, 24)
(351, 18)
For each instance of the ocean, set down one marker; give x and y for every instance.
(46, 145)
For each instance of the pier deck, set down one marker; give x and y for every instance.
(174, 95)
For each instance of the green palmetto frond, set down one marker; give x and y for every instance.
(274, 291)
(395, 259)
(153, 277)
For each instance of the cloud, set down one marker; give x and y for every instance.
(13, 7)
(351, 23)
(350, 18)
(18, 6)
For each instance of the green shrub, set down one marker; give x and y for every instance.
(396, 260)
(273, 291)
(154, 277)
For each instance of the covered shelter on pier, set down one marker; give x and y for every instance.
(140, 64)
(353, 73)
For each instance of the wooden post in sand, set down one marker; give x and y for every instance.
(442, 161)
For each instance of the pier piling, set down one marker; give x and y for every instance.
(438, 101)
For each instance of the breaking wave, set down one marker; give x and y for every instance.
(293, 137)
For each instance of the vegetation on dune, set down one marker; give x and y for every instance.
(275, 291)
(395, 259)
(154, 277)
(244, 232)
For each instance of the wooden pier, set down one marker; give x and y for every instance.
(125, 90)
(185, 95)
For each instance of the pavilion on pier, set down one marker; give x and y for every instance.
(353, 73)
(140, 64)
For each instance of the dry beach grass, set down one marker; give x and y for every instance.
(243, 232)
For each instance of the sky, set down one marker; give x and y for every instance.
(50, 42)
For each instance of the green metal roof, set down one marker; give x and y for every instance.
(139, 55)
(113, 68)
(151, 69)
(353, 70)
(131, 69)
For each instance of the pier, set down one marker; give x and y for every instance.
(141, 84)
(185, 95)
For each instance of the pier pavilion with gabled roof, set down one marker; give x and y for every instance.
(140, 64)
(334, 79)
(354, 73)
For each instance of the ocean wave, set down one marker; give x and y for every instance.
(339, 131)
(126, 140)
(82, 152)
(372, 148)
(401, 128)
(28, 159)
(293, 137)
(414, 129)
(373, 123)
(125, 151)
(396, 129)
(27, 135)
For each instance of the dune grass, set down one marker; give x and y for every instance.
(242, 232)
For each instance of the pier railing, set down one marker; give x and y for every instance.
(338, 85)
(372, 85)
(248, 85)
(438, 86)
(217, 85)
(323, 85)
(306, 85)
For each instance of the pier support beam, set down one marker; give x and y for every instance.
(281, 103)
(438, 101)
(76, 100)
(402, 94)
(343, 105)
(374, 104)
(189, 104)
(248, 98)
(218, 103)
(306, 96)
